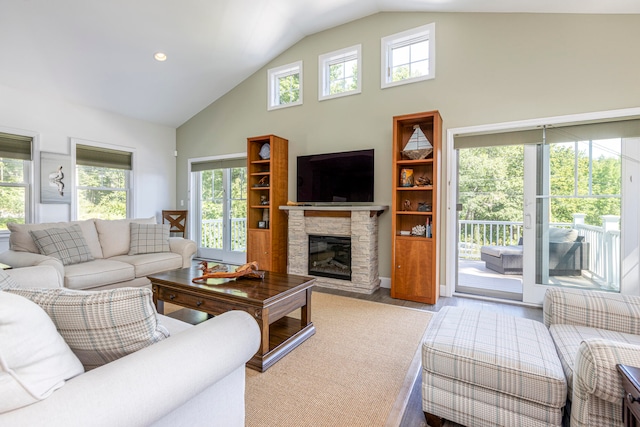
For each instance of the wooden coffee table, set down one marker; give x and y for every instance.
(269, 301)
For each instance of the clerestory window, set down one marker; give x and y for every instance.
(409, 56)
(285, 86)
(340, 73)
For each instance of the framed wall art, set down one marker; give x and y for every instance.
(55, 178)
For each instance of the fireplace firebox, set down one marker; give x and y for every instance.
(330, 256)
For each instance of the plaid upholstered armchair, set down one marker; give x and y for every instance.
(594, 331)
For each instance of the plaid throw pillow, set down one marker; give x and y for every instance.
(149, 238)
(6, 281)
(101, 326)
(66, 244)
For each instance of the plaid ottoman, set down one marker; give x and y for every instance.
(481, 368)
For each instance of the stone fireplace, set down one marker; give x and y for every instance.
(358, 223)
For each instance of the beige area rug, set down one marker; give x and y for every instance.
(357, 370)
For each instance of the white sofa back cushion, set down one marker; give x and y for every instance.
(101, 326)
(115, 234)
(21, 240)
(34, 359)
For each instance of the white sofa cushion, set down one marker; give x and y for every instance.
(146, 264)
(148, 238)
(115, 234)
(101, 326)
(97, 273)
(67, 244)
(21, 240)
(34, 359)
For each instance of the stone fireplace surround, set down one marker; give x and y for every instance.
(358, 222)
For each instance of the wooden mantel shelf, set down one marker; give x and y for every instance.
(336, 211)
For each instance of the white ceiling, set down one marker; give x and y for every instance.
(99, 53)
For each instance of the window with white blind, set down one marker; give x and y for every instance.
(103, 182)
(15, 179)
(409, 56)
(340, 73)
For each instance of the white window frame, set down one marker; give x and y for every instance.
(339, 56)
(404, 38)
(274, 76)
(31, 185)
(130, 179)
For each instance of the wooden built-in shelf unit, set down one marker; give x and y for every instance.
(414, 273)
(268, 189)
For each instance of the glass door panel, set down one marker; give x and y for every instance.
(490, 221)
(212, 210)
(577, 211)
(223, 211)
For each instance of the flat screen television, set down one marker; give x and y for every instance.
(336, 178)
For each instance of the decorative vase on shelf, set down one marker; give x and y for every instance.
(265, 151)
(406, 178)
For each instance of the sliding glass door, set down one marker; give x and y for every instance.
(547, 207)
(573, 213)
(221, 210)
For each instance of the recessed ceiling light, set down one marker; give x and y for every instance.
(160, 56)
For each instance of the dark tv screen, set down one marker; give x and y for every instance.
(345, 177)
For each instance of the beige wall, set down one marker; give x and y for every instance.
(490, 68)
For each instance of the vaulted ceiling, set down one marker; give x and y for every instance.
(100, 53)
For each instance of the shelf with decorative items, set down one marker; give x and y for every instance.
(416, 151)
(267, 169)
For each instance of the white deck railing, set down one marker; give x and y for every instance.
(211, 236)
(472, 235)
(604, 243)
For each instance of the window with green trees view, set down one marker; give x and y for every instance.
(340, 73)
(15, 173)
(409, 56)
(586, 178)
(14, 187)
(285, 85)
(103, 178)
(213, 204)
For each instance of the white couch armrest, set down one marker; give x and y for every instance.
(144, 387)
(39, 276)
(184, 247)
(19, 259)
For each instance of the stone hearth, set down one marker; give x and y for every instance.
(358, 222)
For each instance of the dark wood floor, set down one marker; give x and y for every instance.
(413, 415)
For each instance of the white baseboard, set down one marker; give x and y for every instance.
(385, 282)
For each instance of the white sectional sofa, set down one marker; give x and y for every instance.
(110, 264)
(196, 376)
